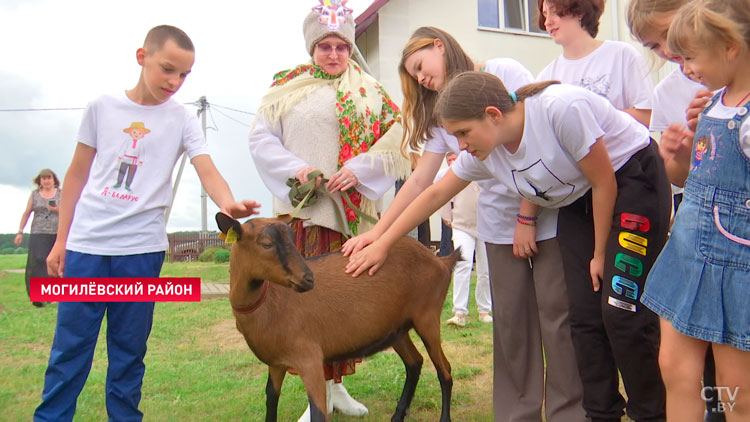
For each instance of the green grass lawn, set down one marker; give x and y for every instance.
(12, 262)
(198, 367)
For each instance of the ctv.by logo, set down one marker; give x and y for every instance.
(726, 397)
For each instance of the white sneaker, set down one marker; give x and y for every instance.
(343, 402)
(457, 319)
(485, 318)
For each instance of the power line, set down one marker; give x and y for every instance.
(211, 113)
(232, 118)
(233, 109)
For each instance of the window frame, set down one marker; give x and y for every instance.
(502, 26)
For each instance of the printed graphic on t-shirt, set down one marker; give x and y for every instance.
(598, 85)
(129, 157)
(131, 154)
(538, 184)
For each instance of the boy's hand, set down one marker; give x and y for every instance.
(56, 260)
(241, 209)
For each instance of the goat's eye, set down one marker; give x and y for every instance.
(267, 245)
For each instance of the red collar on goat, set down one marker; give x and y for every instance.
(256, 305)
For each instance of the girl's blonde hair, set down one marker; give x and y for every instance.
(418, 111)
(468, 95)
(642, 15)
(703, 25)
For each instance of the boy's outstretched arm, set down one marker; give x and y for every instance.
(218, 189)
(75, 179)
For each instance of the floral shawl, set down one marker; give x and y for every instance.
(369, 121)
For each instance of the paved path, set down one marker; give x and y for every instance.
(214, 290)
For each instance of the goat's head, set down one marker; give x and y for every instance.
(264, 250)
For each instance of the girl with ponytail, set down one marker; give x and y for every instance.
(562, 147)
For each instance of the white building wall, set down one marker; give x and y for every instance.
(397, 20)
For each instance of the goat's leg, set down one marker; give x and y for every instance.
(273, 391)
(430, 334)
(313, 379)
(413, 363)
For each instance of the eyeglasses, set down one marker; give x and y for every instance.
(326, 48)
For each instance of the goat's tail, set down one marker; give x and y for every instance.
(450, 260)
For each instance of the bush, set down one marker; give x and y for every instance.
(208, 254)
(221, 255)
(20, 251)
(7, 251)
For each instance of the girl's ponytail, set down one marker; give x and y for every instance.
(470, 93)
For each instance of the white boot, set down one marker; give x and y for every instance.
(329, 405)
(342, 401)
(305, 416)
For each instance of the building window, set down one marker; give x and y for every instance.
(515, 15)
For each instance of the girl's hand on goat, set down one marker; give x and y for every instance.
(524, 241)
(241, 209)
(357, 243)
(371, 257)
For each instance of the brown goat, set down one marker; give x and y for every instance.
(342, 317)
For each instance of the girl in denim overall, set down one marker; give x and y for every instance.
(700, 284)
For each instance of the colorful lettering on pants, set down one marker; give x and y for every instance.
(629, 262)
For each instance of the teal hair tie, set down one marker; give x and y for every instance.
(513, 97)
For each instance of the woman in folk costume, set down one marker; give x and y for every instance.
(329, 115)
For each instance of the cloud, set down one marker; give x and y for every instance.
(63, 54)
(31, 141)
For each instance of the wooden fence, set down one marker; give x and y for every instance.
(187, 246)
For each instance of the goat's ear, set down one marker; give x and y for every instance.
(288, 218)
(226, 222)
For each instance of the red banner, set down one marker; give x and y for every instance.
(94, 289)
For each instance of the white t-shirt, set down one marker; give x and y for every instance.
(614, 70)
(562, 123)
(498, 205)
(672, 97)
(721, 111)
(121, 209)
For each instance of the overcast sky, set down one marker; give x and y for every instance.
(62, 54)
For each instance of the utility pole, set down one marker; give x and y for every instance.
(204, 203)
(203, 104)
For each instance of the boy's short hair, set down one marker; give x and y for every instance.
(158, 35)
(588, 10)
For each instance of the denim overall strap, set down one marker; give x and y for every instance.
(720, 175)
(717, 157)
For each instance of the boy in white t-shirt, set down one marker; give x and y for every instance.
(613, 69)
(110, 230)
